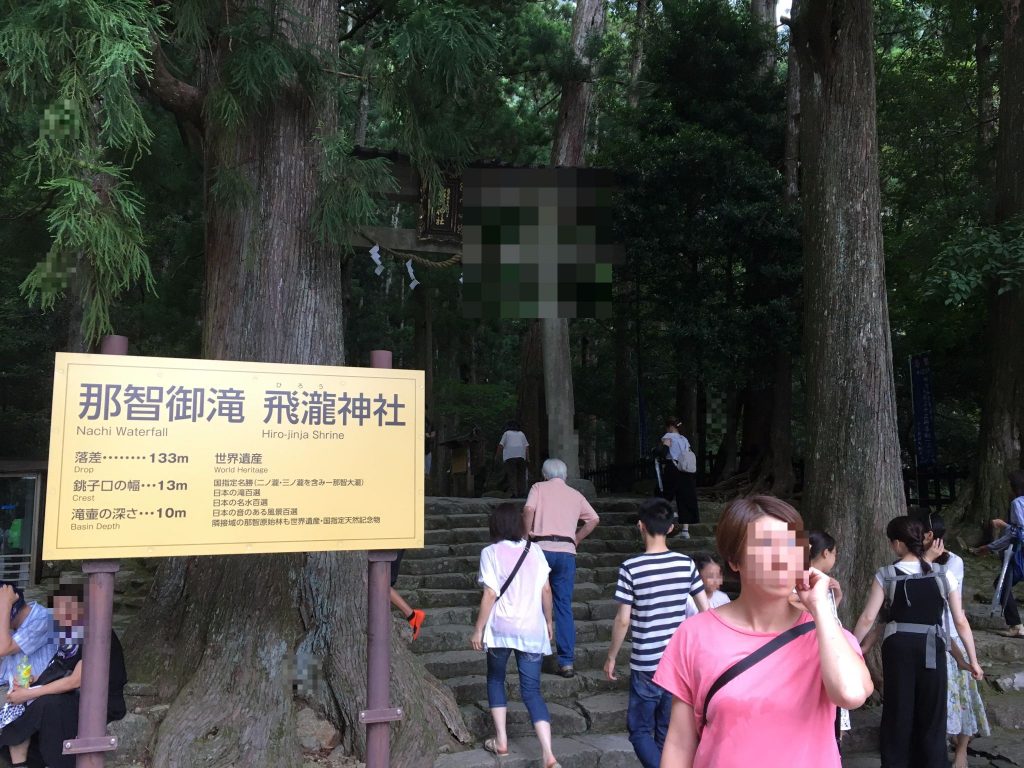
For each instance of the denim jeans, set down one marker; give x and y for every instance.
(650, 707)
(563, 579)
(529, 681)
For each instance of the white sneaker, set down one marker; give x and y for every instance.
(685, 534)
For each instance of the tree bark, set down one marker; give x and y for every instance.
(755, 443)
(636, 57)
(853, 480)
(221, 636)
(567, 149)
(530, 409)
(781, 437)
(623, 418)
(764, 12)
(782, 475)
(999, 449)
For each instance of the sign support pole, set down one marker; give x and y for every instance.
(92, 740)
(378, 712)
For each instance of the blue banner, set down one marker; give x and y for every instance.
(924, 411)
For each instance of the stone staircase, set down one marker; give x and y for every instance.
(588, 712)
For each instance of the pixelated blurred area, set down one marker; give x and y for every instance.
(537, 243)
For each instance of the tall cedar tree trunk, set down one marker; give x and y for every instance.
(853, 482)
(624, 396)
(999, 449)
(220, 635)
(568, 150)
(764, 12)
(783, 477)
(530, 398)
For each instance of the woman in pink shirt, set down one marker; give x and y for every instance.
(780, 712)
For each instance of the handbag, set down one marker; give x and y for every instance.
(686, 462)
(746, 663)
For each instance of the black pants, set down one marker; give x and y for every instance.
(1010, 611)
(913, 733)
(682, 488)
(515, 473)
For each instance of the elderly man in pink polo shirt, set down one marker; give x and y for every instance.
(553, 511)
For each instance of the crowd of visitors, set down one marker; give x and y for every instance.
(801, 671)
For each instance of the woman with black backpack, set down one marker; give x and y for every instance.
(914, 646)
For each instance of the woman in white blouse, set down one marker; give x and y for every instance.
(515, 617)
(677, 485)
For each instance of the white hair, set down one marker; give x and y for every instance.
(553, 468)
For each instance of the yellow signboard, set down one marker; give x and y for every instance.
(153, 457)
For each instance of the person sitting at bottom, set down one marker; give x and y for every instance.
(26, 629)
(52, 715)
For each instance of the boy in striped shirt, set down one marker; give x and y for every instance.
(652, 589)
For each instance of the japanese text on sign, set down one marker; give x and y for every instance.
(155, 457)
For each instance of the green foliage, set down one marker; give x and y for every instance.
(73, 65)
(935, 161)
(433, 66)
(712, 256)
(351, 191)
(977, 257)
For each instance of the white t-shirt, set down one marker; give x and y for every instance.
(718, 599)
(955, 566)
(678, 445)
(517, 619)
(914, 566)
(514, 445)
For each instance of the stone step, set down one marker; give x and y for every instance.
(1005, 678)
(449, 664)
(619, 533)
(451, 598)
(992, 647)
(469, 689)
(438, 561)
(1005, 710)
(466, 614)
(465, 579)
(1001, 749)
(455, 637)
(980, 616)
(566, 720)
(586, 751)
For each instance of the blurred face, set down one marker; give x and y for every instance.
(773, 560)
(711, 575)
(68, 612)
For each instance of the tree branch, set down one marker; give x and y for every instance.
(182, 99)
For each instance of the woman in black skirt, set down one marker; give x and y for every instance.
(51, 713)
(676, 484)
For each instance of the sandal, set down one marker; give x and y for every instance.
(491, 745)
(1017, 631)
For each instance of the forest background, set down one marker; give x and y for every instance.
(708, 295)
(183, 174)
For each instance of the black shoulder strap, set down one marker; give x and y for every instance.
(515, 570)
(760, 654)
